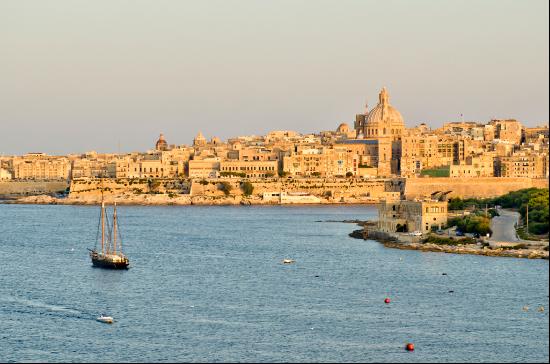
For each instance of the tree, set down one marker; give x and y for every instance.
(225, 187)
(247, 188)
(536, 199)
(349, 174)
(153, 185)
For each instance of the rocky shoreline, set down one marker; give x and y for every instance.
(473, 249)
(162, 200)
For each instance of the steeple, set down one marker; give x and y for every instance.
(383, 97)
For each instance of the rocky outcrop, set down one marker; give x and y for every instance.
(395, 242)
(470, 249)
(39, 199)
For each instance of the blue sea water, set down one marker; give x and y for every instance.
(207, 284)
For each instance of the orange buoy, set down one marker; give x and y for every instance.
(410, 347)
(387, 300)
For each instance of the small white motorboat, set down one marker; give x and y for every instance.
(105, 319)
(288, 261)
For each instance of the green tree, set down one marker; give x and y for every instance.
(247, 188)
(225, 187)
(536, 199)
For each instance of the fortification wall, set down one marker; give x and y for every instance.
(20, 188)
(483, 187)
(338, 189)
(369, 190)
(93, 187)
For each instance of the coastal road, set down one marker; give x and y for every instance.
(503, 226)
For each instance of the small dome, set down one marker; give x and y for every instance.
(215, 140)
(343, 128)
(199, 140)
(161, 143)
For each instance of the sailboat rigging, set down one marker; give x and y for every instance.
(111, 255)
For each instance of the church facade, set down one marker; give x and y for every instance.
(383, 124)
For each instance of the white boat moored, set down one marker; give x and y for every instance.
(105, 319)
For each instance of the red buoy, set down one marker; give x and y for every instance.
(387, 300)
(410, 347)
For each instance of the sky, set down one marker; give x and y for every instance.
(110, 75)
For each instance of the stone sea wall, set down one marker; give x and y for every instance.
(24, 188)
(209, 192)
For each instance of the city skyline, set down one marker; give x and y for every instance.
(116, 80)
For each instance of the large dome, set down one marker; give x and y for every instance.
(384, 119)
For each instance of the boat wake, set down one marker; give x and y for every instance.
(42, 308)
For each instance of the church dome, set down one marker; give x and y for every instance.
(343, 128)
(199, 139)
(161, 143)
(384, 119)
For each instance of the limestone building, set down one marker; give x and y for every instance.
(508, 130)
(252, 169)
(204, 168)
(474, 166)
(415, 215)
(523, 164)
(5, 175)
(39, 166)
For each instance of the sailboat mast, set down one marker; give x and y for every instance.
(102, 227)
(114, 228)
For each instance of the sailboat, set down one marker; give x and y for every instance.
(111, 255)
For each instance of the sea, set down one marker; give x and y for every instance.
(207, 284)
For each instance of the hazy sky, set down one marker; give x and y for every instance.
(90, 75)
